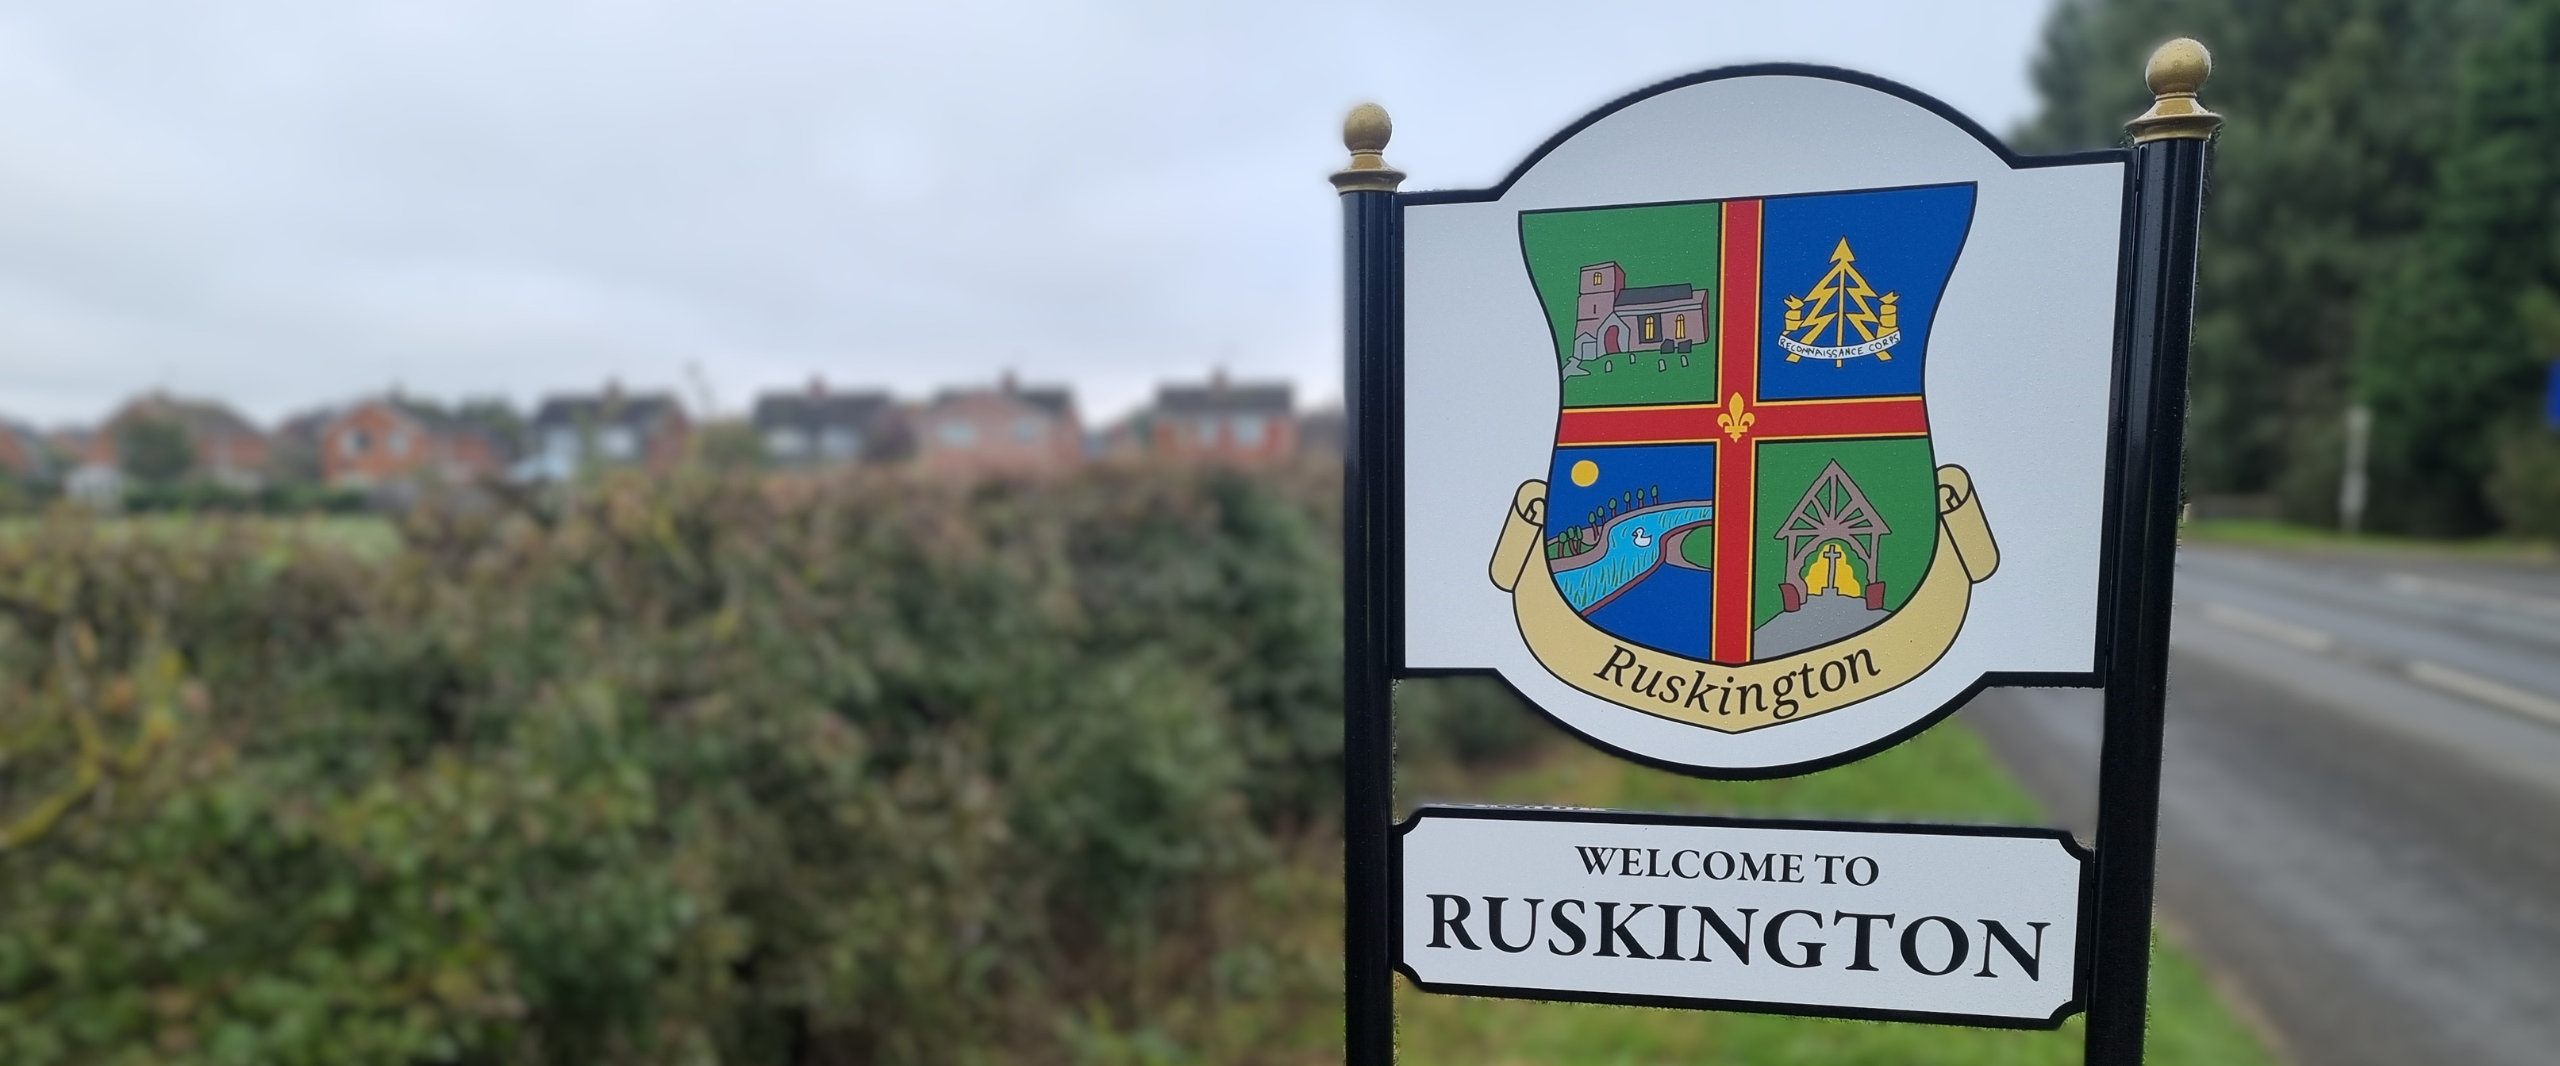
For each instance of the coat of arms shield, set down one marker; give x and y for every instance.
(1742, 475)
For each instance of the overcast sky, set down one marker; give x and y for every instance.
(288, 204)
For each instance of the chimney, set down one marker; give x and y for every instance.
(1218, 379)
(1007, 384)
(613, 390)
(817, 385)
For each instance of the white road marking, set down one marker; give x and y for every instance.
(2480, 689)
(2472, 595)
(2299, 638)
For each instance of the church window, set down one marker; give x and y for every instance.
(1652, 326)
(1595, 279)
(1679, 327)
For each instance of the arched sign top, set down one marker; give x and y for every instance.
(1887, 86)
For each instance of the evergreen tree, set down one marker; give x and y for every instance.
(2455, 346)
(154, 451)
(2336, 111)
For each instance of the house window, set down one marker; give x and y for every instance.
(1029, 429)
(352, 444)
(838, 442)
(1208, 430)
(397, 443)
(1248, 431)
(958, 432)
(784, 443)
(561, 444)
(618, 442)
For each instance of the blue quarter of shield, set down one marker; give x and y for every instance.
(1615, 544)
(1901, 243)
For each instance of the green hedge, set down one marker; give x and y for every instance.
(876, 771)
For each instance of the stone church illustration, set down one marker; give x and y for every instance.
(1612, 318)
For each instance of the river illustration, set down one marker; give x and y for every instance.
(1631, 545)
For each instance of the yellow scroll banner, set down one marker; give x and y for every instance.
(1736, 699)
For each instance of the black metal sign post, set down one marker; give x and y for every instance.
(2170, 143)
(1372, 283)
(2156, 297)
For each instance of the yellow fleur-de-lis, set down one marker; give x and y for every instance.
(1735, 421)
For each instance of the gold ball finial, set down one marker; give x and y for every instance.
(1367, 128)
(1365, 132)
(2176, 73)
(2178, 68)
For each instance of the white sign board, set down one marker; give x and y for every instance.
(1747, 457)
(1942, 923)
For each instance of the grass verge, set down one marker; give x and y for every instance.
(1945, 775)
(2262, 533)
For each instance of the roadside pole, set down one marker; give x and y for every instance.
(2170, 157)
(2351, 484)
(1372, 279)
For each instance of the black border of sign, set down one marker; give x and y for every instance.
(2165, 189)
(1392, 464)
(2081, 946)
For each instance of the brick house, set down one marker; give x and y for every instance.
(610, 429)
(815, 428)
(1222, 422)
(390, 439)
(228, 449)
(1008, 429)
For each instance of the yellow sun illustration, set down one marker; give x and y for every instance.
(1586, 472)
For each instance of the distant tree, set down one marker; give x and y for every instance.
(2455, 346)
(728, 445)
(154, 451)
(2337, 111)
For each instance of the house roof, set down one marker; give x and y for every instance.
(1057, 402)
(639, 410)
(806, 410)
(1223, 399)
(200, 417)
(1657, 294)
(308, 425)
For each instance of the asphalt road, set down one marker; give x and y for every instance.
(2360, 798)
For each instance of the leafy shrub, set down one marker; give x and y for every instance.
(875, 771)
